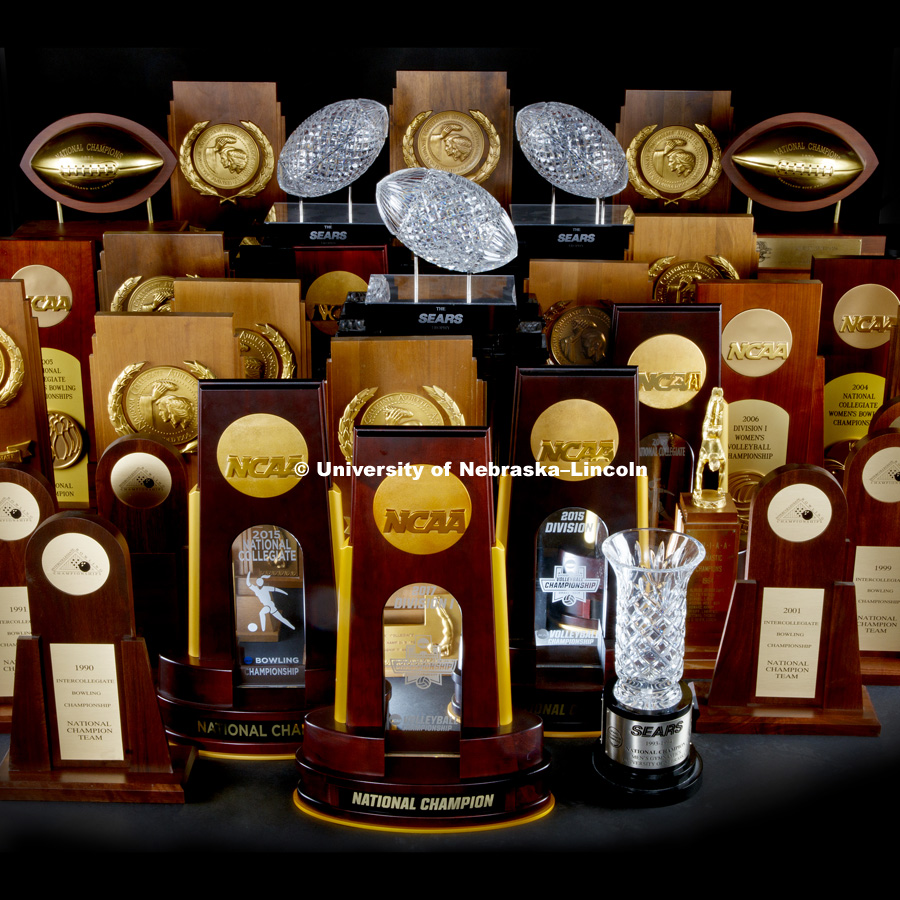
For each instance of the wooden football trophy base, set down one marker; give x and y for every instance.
(427, 793)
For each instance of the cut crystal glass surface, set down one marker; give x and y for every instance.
(651, 607)
(447, 220)
(332, 148)
(572, 150)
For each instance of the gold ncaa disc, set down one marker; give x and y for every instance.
(163, 401)
(671, 370)
(674, 159)
(48, 292)
(579, 337)
(258, 356)
(574, 435)
(402, 409)
(451, 141)
(226, 156)
(66, 441)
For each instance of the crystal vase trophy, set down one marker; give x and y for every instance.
(645, 755)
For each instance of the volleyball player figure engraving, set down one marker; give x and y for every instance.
(645, 757)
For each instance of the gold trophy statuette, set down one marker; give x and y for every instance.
(675, 163)
(226, 157)
(713, 453)
(453, 142)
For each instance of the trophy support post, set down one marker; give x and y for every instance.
(631, 756)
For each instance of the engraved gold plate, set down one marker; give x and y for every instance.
(12, 369)
(161, 401)
(675, 163)
(579, 336)
(676, 280)
(671, 370)
(226, 157)
(153, 295)
(397, 409)
(48, 292)
(453, 142)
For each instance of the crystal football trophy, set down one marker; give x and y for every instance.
(645, 755)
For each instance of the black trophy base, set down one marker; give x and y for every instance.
(200, 707)
(648, 739)
(568, 711)
(423, 793)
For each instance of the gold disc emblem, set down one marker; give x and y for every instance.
(66, 440)
(262, 455)
(756, 342)
(48, 292)
(422, 516)
(397, 409)
(153, 295)
(865, 316)
(161, 401)
(326, 296)
(676, 282)
(580, 336)
(12, 369)
(675, 163)
(226, 157)
(574, 435)
(266, 354)
(671, 370)
(453, 142)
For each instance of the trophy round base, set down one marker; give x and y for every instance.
(647, 759)
(423, 793)
(196, 700)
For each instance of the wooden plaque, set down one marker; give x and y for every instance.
(129, 260)
(789, 659)
(60, 287)
(142, 489)
(680, 238)
(86, 722)
(859, 317)
(197, 346)
(431, 381)
(228, 136)
(872, 487)
(691, 181)
(25, 501)
(268, 317)
(768, 371)
(579, 421)
(265, 620)
(474, 105)
(420, 554)
(24, 435)
(557, 280)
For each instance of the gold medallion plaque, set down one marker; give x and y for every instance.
(48, 292)
(576, 436)
(326, 296)
(397, 409)
(453, 142)
(153, 295)
(262, 455)
(756, 342)
(671, 370)
(675, 281)
(12, 369)
(675, 163)
(265, 353)
(161, 401)
(422, 513)
(580, 336)
(866, 316)
(226, 157)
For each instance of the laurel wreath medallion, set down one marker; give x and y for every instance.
(120, 298)
(16, 369)
(285, 354)
(647, 190)
(490, 161)
(345, 426)
(263, 172)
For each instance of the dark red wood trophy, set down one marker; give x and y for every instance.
(261, 631)
(25, 501)
(580, 422)
(86, 725)
(422, 736)
(789, 658)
